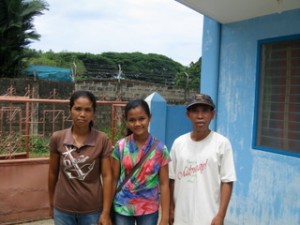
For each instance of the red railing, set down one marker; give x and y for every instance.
(23, 119)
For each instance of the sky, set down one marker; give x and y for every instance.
(148, 26)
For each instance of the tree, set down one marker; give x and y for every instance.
(133, 66)
(150, 67)
(17, 32)
(190, 77)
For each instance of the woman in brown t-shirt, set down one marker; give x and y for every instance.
(80, 176)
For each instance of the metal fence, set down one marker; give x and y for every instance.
(26, 124)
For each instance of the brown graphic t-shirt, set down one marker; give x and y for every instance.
(79, 187)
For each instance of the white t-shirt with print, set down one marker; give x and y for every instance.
(198, 168)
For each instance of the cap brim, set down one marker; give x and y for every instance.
(199, 103)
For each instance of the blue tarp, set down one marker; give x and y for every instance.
(50, 73)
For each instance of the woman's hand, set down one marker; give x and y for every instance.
(51, 212)
(105, 219)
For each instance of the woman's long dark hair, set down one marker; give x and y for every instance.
(132, 104)
(86, 94)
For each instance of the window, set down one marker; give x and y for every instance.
(278, 99)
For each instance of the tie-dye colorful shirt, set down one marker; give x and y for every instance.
(140, 194)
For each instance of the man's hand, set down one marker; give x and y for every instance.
(171, 217)
(218, 220)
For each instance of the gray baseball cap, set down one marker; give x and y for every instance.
(201, 99)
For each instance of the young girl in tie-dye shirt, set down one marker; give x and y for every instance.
(138, 201)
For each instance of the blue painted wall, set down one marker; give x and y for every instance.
(268, 186)
(158, 108)
(168, 121)
(177, 123)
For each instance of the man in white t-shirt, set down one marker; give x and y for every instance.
(202, 169)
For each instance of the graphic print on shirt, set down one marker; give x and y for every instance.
(191, 170)
(75, 168)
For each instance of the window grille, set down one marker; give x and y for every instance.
(278, 112)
